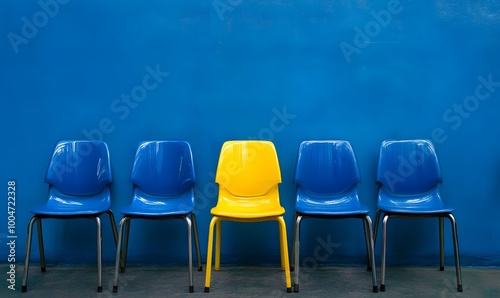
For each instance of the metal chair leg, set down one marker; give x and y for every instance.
(296, 251)
(375, 227)
(190, 254)
(196, 242)
(99, 255)
(113, 225)
(123, 262)
(24, 287)
(118, 253)
(384, 250)
(367, 242)
(441, 243)
(292, 263)
(371, 251)
(41, 249)
(456, 251)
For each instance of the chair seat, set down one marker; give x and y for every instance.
(249, 211)
(230, 205)
(60, 204)
(334, 205)
(159, 206)
(422, 203)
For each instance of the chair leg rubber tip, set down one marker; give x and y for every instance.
(375, 289)
(200, 268)
(207, 289)
(99, 289)
(460, 288)
(289, 290)
(295, 288)
(191, 289)
(382, 288)
(43, 269)
(441, 268)
(122, 269)
(24, 289)
(292, 269)
(115, 289)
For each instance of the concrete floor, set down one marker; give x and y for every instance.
(254, 281)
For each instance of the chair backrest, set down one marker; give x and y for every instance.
(163, 168)
(79, 167)
(248, 168)
(326, 167)
(408, 166)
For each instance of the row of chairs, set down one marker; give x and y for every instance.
(248, 175)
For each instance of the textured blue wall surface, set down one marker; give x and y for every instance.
(286, 71)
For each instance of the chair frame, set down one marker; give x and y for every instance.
(369, 240)
(37, 218)
(123, 237)
(187, 215)
(216, 223)
(441, 216)
(360, 214)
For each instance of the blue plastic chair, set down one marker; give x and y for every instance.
(163, 179)
(326, 176)
(79, 178)
(409, 176)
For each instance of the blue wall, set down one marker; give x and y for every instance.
(287, 71)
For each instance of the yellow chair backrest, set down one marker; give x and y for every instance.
(248, 168)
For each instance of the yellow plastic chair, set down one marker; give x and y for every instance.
(248, 175)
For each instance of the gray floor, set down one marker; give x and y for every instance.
(254, 281)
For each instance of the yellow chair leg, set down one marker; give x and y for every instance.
(218, 236)
(209, 254)
(284, 251)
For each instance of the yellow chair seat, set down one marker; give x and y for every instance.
(244, 207)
